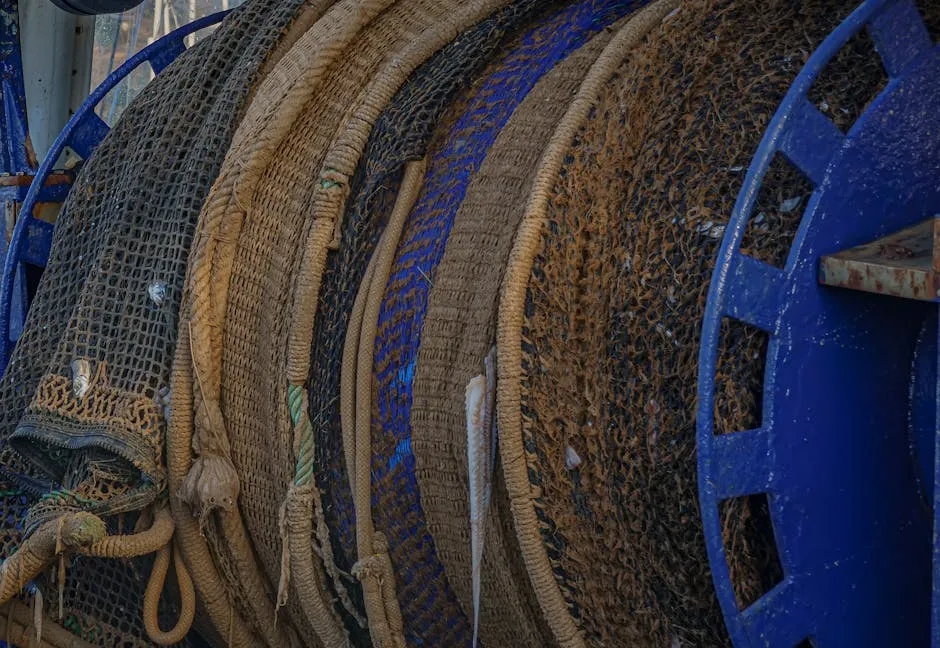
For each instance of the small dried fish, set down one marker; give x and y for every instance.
(157, 292)
(81, 376)
(481, 458)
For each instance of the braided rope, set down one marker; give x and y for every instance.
(303, 433)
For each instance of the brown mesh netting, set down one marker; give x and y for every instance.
(601, 310)
(457, 334)
(84, 394)
(324, 483)
(430, 611)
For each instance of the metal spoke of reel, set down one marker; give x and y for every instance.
(844, 450)
(32, 237)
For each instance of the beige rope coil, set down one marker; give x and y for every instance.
(194, 549)
(85, 533)
(374, 568)
(510, 317)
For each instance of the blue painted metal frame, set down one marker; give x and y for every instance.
(16, 154)
(32, 238)
(17, 157)
(851, 519)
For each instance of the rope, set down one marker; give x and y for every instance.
(85, 533)
(347, 390)
(71, 532)
(156, 537)
(303, 432)
(155, 589)
(302, 502)
(190, 539)
(374, 568)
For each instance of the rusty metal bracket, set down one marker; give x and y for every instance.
(903, 264)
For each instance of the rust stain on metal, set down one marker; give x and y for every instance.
(47, 211)
(895, 251)
(24, 180)
(903, 264)
(31, 158)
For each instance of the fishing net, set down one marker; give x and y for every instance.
(601, 310)
(319, 377)
(251, 305)
(401, 134)
(429, 608)
(84, 393)
(457, 333)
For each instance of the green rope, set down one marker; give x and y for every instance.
(328, 183)
(302, 427)
(76, 627)
(68, 495)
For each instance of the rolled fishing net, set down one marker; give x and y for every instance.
(401, 134)
(599, 318)
(457, 334)
(429, 608)
(375, 323)
(85, 393)
(252, 298)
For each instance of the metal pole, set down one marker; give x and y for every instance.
(157, 20)
(81, 61)
(191, 39)
(47, 39)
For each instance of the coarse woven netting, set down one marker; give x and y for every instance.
(458, 332)
(275, 286)
(429, 608)
(253, 291)
(465, 280)
(401, 134)
(603, 298)
(82, 423)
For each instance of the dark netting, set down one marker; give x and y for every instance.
(83, 397)
(614, 305)
(429, 608)
(401, 134)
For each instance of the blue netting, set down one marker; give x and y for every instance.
(422, 586)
